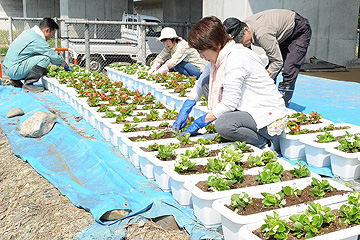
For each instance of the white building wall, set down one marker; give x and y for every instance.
(333, 22)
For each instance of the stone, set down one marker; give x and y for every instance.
(38, 125)
(14, 112)
(167, 222)
(114, 215)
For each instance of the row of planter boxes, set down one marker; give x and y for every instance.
(291, 147)
(183, 187)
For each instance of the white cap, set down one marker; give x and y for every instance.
(167, 32)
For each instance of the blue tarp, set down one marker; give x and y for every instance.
(94, 176)
(91, 173)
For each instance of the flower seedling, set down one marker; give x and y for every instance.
(271, 173)
(276, 199)
(263, 159)
(301, 171)
(183, 164)
(153, 115)
(157, 135)
(149, 128)
(240, 201)
(169, 114)
(129, 127)
(218, 183)
(137, 120)
(166, 152)
(199, 151)
(350, 212)
(120, 119)
(217, 165)
(185, 139)
(275, 227)
(147, 107)
(110, 114)
(205, 141)
(164, 124)
(320, 187)
(211, 128)
(315, 117)
(326, 137)
(153, 147)
(230, 154)
(103, 108)
(235, 173)
(350, 143)
(309, 223)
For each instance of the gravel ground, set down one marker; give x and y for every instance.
(30, 206)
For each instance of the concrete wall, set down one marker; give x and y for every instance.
(182, 11)
(91, 9)
(333, 22)
(13, 8)
(41, 8)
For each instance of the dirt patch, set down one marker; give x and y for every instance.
(353, 75)
(81, 133)
(30, 206)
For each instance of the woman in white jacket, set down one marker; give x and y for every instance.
(242, 98)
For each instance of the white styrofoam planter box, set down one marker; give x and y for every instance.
(232, 222)
(136, 153)
(343, 164)
(154, 163)
(202, 201)
(183, 195)
(344, 234)
(290, 145)
(315, 151)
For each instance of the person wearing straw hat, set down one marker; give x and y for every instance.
(177, 56)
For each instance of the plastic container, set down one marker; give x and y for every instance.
(345, 234)
(232, 222)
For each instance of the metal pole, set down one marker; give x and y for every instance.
(10, 30)
(87, 47)
(142, 44)
(56, 35)
(66, 37)
(95, 29)
(358, 41)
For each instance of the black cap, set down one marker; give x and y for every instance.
(233, 26)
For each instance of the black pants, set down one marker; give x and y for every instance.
(293, 49)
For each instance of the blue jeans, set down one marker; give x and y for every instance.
(187, 69)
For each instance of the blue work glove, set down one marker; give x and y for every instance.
(198, 124)
(67, 68)
(181, 119)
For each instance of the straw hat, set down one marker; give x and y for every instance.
(166, 33)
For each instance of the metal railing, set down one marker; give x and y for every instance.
(98, 43)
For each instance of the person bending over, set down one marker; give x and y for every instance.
(30, 54)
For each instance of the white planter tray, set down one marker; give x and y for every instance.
(136, 153)
(232, 222)
(344, 165)
(315, 151)
(152, 164)
(183, 195)
(291, 146)
(345, 234)
(202, 201)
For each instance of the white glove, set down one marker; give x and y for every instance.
(154, 67)
(163, 69)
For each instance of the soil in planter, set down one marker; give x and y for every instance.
(305, 197)
(250, 180)
(141, 129)
(317, 131)
(336, 139)
(326, 228)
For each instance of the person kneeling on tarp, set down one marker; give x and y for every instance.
(177, 56)
(30, 54)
